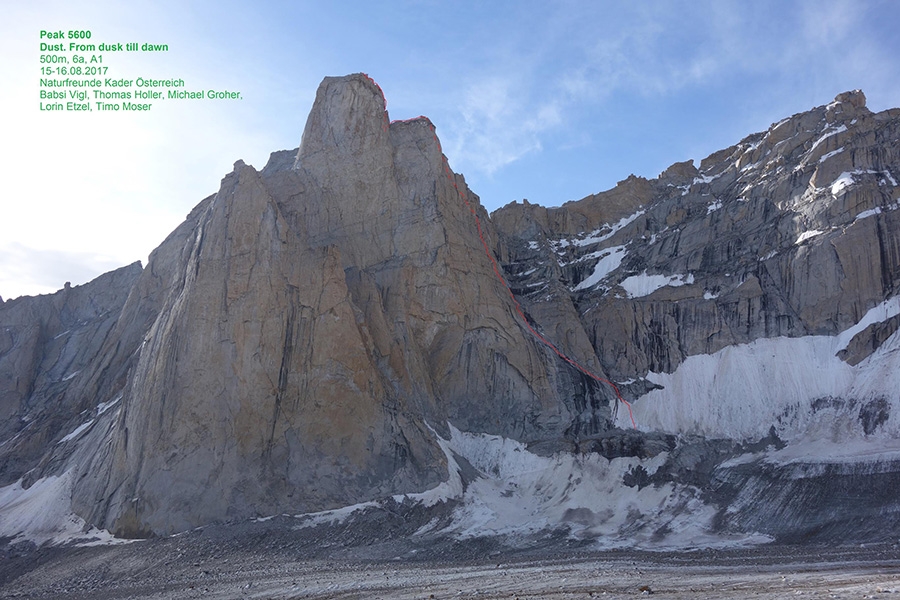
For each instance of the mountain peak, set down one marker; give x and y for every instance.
(347, 117)
(855, 98)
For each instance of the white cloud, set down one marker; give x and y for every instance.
(686, 79)
(498, 124)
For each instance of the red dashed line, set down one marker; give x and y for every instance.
(419, 118)
(385, 123)
(380, 91)
(496, 267)
(519, 310)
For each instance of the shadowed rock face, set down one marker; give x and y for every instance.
(303, 338)
(791, 232)
(58, 360)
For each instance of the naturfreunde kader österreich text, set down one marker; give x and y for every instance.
(79, 73)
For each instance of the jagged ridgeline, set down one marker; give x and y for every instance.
(329, 331)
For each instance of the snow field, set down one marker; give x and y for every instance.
(522, 494)
(42, 513)
(741, 391)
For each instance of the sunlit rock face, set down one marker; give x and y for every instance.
(300, 341)
(331, 330)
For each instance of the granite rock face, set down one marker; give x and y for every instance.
(315, 332)
(50, 347)
(298, 343)
(791, 232)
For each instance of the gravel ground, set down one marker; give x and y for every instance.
(274, 559)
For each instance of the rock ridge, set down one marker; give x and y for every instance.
(768, 231)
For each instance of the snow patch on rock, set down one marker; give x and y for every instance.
(43, 514)
(610, 260)
(868, 213)
(330, 517)
(602, 234)
(847, 179)
(827, 135)
(843, 181)
(76, 432)
(878, 314)
(807, 235)
(643, 284)
(830, 154)
(105, 406)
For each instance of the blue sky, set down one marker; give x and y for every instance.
(549, 101)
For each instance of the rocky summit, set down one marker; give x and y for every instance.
(347, 333)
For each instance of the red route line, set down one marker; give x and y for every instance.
(496, 267)
(519, 310)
